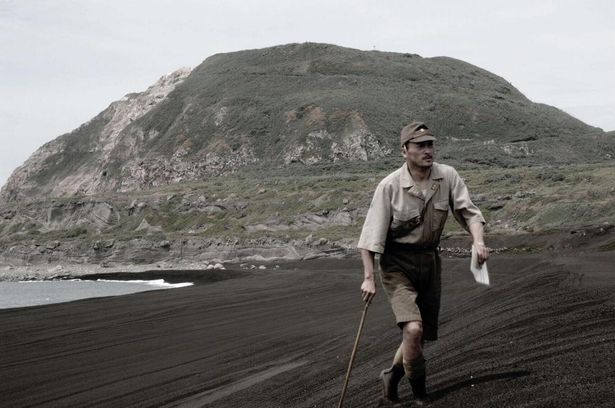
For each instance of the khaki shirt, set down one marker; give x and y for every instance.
(400, 212)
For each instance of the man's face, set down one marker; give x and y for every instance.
(419, 154)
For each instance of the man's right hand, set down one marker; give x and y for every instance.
(368, 290)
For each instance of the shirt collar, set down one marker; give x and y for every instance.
(407, 181)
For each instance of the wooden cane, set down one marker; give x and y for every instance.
(352, 356)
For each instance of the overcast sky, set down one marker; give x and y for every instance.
(62, 62)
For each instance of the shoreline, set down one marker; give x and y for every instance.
(591, 239)
(74, 270)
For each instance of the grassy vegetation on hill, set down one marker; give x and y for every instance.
(319, 104)
(277, 206)
(461, 101)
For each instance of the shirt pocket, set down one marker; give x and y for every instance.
(439, 215)
(404, 221)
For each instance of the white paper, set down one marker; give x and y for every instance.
(481, 275)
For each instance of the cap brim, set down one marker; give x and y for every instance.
(420, 139)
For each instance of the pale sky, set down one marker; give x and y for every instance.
(62, 62)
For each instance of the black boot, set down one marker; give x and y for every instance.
(390, 379)
(420, 392)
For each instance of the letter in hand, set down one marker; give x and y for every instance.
(479, 270)
(482, 252)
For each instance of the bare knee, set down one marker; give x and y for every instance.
(413, 331)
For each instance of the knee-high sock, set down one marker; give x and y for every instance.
(416, 368)
(398, 360)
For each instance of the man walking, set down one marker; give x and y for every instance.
(404, 224)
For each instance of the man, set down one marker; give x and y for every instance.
(404, 224)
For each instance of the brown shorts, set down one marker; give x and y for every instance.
(411, 280)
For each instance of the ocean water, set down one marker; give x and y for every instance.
(32, 293)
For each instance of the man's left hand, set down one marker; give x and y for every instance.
(482, 252)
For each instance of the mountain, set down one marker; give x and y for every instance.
(307, 104)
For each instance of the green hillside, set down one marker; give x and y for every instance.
(304, 105)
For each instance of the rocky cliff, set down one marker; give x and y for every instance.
(305, 104)
(74, 164)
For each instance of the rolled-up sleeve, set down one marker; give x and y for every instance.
(464, 210)
(376, 225)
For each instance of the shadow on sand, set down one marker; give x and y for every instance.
(441, 392)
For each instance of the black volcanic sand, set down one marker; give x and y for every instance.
(543, 335)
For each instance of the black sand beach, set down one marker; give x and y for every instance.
(543, 335)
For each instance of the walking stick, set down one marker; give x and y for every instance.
(352, 356)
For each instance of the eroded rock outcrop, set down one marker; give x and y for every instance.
(54, 170)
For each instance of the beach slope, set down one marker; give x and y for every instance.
(542, 335)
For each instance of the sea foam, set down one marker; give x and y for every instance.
(159, 283)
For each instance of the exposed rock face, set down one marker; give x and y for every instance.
(103, 137)
(310, 221)
(300, 103)
(145, 226)
(354, 142)
(101, 215)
